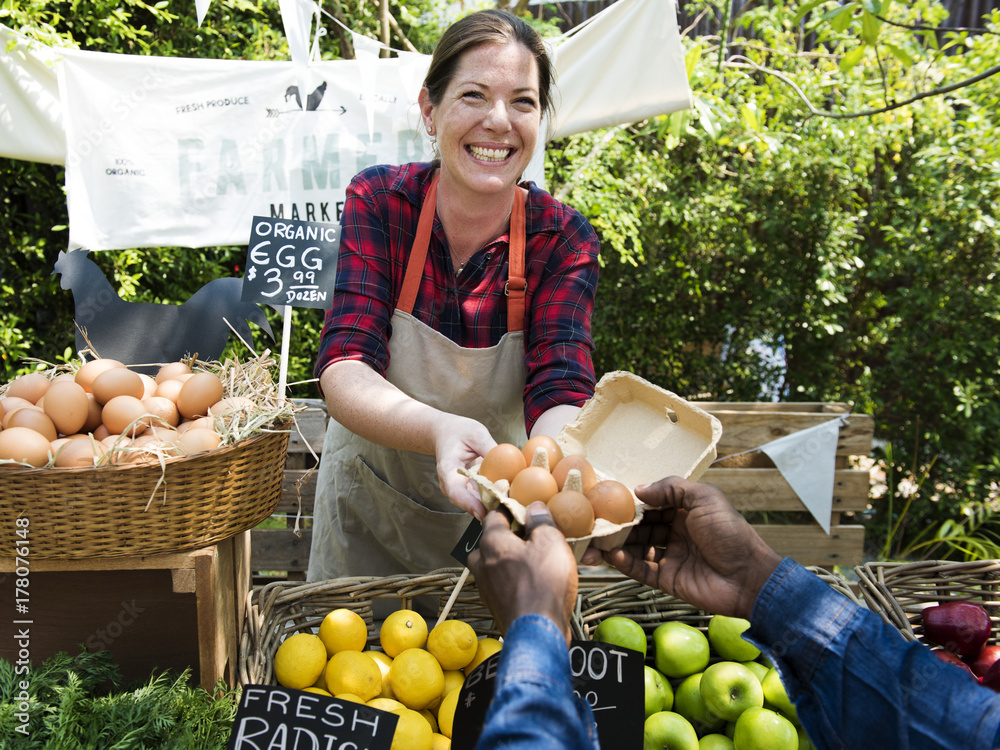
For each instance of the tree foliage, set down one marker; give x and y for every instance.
(831, 196)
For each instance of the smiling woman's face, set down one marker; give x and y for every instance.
(488, 119)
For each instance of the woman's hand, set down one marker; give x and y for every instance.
(459, 443)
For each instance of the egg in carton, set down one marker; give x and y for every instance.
(633, 432)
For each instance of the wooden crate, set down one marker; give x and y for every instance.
(153, 612)
(750, 481)
(757, 488)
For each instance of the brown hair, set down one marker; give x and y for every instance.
(486, 27)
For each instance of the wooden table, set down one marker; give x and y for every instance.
(152, 612)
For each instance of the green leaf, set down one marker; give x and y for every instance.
(805, 9)
(840, 18)
(851, 59)
(870, 27)
(899, 53)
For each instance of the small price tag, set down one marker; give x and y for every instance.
(468, 542)
(291, 263)
(608, 678)
(272, 717)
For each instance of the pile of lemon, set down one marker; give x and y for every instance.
(417, 675)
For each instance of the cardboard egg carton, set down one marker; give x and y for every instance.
(631, 431)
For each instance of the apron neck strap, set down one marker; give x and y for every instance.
(516, 284)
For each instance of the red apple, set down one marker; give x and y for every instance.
(982, 661)
(949, 658)
(961, 627)
(992, 677)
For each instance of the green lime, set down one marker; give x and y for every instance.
(621, 631)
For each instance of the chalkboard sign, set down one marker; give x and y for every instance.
(291, 263)
(273, 717)
(468, 542)
(608, 678)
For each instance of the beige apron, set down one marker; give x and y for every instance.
(380, 511)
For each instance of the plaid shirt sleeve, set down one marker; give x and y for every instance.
(378, 226)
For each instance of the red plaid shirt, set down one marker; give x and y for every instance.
(379, 223)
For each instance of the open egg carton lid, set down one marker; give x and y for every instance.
(631, 431)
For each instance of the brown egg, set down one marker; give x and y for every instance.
(24, 445)
(66, 404)
(579, 463)
(199, 392)
(533, 484)
(122, 411)
(542, 441)
(230, 405)
(573, 513)
(10, 404)
(148, 386)
(34, 419)
(189, 424)
(90, 370)
(171, 370)
(30, 387)
(101, 432)
(612, 501)
(58, 443)
(81, 453)
(169, 389)
(63, 376)
(162, 410)
(118, 381)
(198, 439)
(94, 410)
(504, 461)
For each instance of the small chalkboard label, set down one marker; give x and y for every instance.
(291, 263)
(608, 678)
(468, 542)
(276, 717)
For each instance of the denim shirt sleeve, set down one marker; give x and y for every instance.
(534, 705)
(856, 682)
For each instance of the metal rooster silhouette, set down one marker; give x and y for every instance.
(137, 333)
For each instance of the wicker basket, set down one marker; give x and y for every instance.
(651, 607)
(898, 592)
(280, 609)
(111, 511)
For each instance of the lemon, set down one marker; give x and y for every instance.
(384, 663)
(440, 742)
(353, 672)
(453, 643)
(401, 630)
(343, 630)
(385, 704)
(318, 691)
(484, 650)
(426, 713)
(299, 660)
(412, 732)
(350, 697)
(416, 677)
(446, 712)
(453, 678)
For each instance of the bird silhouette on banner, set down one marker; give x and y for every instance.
(312, 101)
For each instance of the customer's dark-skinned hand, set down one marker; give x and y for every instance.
(694, 545)
(534, 575)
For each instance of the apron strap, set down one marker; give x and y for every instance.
(418, 253)
(516, 284)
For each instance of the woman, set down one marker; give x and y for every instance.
(461, 314)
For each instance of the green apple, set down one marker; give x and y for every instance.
(621, 631)
(726, 636)
(659, 694)
(680, 649)
(728, 689)
(763, 729)
(689, 704)
(715, 742)
(777, 696)
(804, 742)
(757, 668)
(666, 730)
